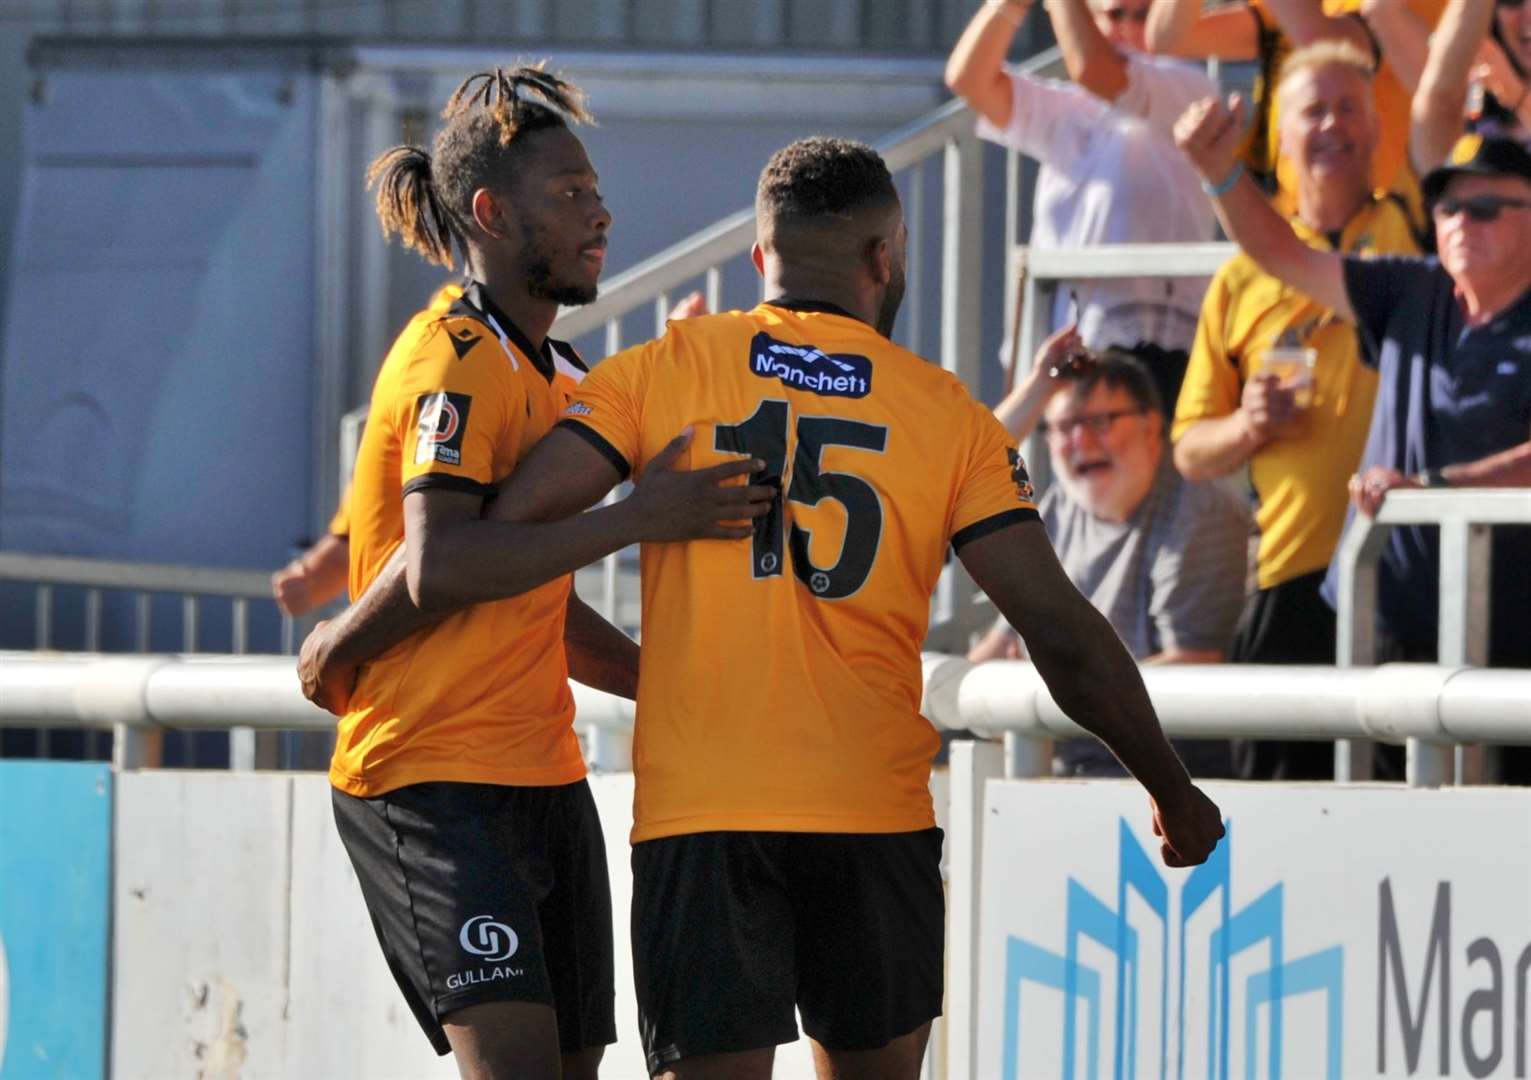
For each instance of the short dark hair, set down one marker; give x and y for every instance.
(428, 198)
(1117, 369)
(822, 177)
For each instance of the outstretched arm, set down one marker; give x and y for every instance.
(1208, 134)
(1092, 678)
(975, 70)
(1435, 114)
(1092, 61)
(1185, 28)
(452, 557)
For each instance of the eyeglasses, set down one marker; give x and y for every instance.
(1137, 15)
(1481, 208)
(1096, 424)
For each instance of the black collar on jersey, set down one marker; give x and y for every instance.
(476, 304)
(792, 303)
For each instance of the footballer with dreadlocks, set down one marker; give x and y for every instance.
(458, 783)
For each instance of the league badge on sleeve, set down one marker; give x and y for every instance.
(1018, 473)
(443, 419)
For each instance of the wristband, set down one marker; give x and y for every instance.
(1217, 191)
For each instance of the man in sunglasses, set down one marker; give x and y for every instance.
(1110, 173)
(1450, 338)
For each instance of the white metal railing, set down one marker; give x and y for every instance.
(1466, 518)
(194, 585)
(138, 695)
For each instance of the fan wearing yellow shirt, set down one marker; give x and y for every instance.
(458, 784)
(786, 854)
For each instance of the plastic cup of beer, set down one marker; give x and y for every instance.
(1293, 367)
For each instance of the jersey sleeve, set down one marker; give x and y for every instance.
(607, 409)
(340, 524)
(994, 490)
(1211, 388)
(453, 412)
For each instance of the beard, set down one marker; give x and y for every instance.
(887, 312)
(537, 268)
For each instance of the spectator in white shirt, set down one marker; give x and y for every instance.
(1110, 171)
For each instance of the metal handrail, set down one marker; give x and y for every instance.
(1439, 703)
(134, 576)
(1465, 518)
(653, 278)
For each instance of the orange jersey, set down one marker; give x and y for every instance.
(780, 684)
(483, 696)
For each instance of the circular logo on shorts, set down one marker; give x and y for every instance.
(494, 941)
(819, 582)
(768, 562)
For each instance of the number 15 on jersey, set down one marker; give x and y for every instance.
(764, 435)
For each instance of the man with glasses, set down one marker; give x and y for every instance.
(1162, 559)
(1253, 400)
(1110, 173)
(1450, 338)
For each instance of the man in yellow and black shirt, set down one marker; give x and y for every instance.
(1300, 434)
(458, 783)
(786, 854)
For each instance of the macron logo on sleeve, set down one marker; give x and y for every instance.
(804, 367)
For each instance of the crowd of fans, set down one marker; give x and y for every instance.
(1373, 333)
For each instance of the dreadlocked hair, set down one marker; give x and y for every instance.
(427, 198)
(822, 177)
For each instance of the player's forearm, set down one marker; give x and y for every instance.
(1094, 680)
(600, 656)
(475, 561)
(382, 617)
(1212, 448)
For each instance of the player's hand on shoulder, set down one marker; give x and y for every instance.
(1190, 825)
(696, 504)
(327, 684)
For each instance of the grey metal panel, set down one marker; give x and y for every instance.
(591, 20)
(145, 359)
(669, 22)
(747, 22)
(817, 25)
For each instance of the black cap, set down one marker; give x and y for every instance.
(1479, 155)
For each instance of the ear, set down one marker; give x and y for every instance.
(879, 260)
(488, 214)
(757, 256)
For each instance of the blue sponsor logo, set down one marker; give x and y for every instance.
(804, 367)
(1229, 1005)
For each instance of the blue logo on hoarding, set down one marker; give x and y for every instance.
(1091, 918)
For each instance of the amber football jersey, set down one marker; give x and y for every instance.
(483, 696)
(780, 684)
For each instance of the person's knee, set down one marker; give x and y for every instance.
(900, 1058)
(505, 1040)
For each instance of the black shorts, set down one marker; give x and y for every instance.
(732, 930)
(482, 892)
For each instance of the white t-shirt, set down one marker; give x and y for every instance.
(1111, 174)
